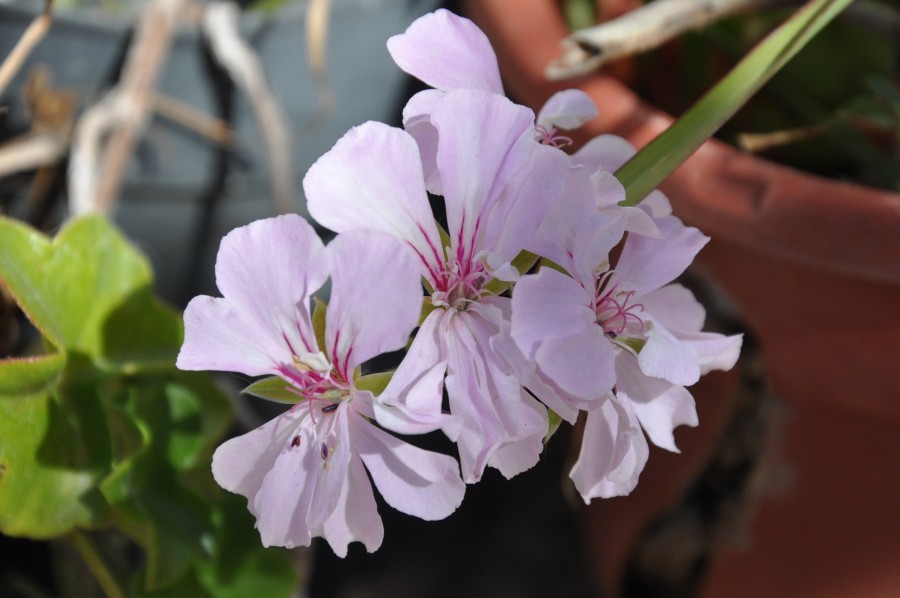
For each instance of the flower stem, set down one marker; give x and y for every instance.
(96, 565)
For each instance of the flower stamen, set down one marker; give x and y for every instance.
(550, 137)
(614, 313)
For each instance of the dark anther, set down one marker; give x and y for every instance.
(329, 408)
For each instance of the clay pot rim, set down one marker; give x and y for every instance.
(771, 209)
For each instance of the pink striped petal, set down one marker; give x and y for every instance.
(372, 179)
(266, 271)
(376, 298)
(476, 165)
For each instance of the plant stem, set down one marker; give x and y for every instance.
(96, 564)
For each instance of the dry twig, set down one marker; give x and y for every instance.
(123, 113)
(31, 151)
(641, 30)
(183, 114)
(317, 12)
(245, 68)
(32, 36)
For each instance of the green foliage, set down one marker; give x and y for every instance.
(102, 430)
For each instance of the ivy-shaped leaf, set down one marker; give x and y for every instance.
(88, 292)
(53, 452)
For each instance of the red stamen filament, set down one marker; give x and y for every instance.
(460, 285)
(550, 137)
(312, 386)
(615, 315)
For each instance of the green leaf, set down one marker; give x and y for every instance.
(652, 164)
(160, 506)
(88, 290)
(272, 389)
(53, 452)
(28, 375)
(427, 308)
(241, 566)
(579, 14)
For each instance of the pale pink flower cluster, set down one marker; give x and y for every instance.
(505, 337)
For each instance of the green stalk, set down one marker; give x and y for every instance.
(650, 166)
(97, 566)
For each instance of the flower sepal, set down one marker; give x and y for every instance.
(374, 383)
(273, 388)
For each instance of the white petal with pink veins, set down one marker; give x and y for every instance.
(266, 271)
(372, 179)
(376, 297)
(648, 263)
(666, 357)
(482, 143)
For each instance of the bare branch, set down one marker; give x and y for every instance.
(87, 145)
(32, 36)
(317, 13)
(132, 99)
(30, 152)
(189, 117)
(245, 68)
(641, 30)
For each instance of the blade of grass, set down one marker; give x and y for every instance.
(650, 166)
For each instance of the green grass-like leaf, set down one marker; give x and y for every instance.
(650, 166)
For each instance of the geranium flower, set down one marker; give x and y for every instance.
(304, 473)
(619, 343)
(498, 184)
(449, 53)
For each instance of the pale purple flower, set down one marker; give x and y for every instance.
(621, 343)
(449, 52)
(304, 473)
(498, 184)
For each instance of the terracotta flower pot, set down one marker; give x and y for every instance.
(814, 267)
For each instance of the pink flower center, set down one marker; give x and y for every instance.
(321, 388)
(460, 284)
(551, 137)
(616, 313)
